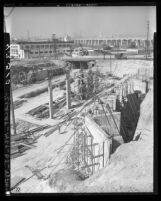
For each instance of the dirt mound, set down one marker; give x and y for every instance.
(130, 170)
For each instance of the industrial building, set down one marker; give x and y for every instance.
(56, 47)
(46, 48)
(139, 42)
(16, 51)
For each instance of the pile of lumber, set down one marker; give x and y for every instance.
(65, 118)
(68, 115)
(42, 111)
(24, 141)
(18, 103)
(37, 110)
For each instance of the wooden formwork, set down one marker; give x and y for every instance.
(84, 155)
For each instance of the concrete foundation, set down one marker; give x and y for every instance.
(107, 123)
(111, 101)
(100, 137)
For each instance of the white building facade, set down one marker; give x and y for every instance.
(16, 52)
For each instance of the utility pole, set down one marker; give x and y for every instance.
(110, 62)
(50, 95)
(12, 110)
(55, 52)
(147, 44)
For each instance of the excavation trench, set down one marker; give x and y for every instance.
(108, 123)
(119, 159)
(102, 131)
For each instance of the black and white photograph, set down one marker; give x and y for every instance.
(81, 99)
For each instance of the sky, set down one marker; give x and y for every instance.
(80, 21)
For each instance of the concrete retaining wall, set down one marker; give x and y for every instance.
(109, 127)
(99, 136)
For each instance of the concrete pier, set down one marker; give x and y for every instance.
(68, 90)
(50, 96)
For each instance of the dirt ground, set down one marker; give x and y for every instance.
(44, 153)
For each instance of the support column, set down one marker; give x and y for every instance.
(50, 96)
(68, 90)
(12, 111)
(145, 44)
(121, 42)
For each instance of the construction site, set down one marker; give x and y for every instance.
(81, 101)
(70, 126)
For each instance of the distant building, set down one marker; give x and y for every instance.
(16, 52)
(122, 42)
(45, 48)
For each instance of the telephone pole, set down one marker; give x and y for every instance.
(147, 44)
(110, 63)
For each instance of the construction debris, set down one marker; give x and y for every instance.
(24, 141)
(105, 118)
(18, 103)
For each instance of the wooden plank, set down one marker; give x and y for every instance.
(90, 165)
(35, 172)
(19, 151)
(98, 156)
(15, 181)
(94, 144)
(37, 109)
(17, 154)
(24, 135)
(18, 137)
(28, 140)
(27, 145)
(51, 131)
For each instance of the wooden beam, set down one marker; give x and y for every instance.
(16, 181)
(101, 155)
(27, 145)
(90, 165)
